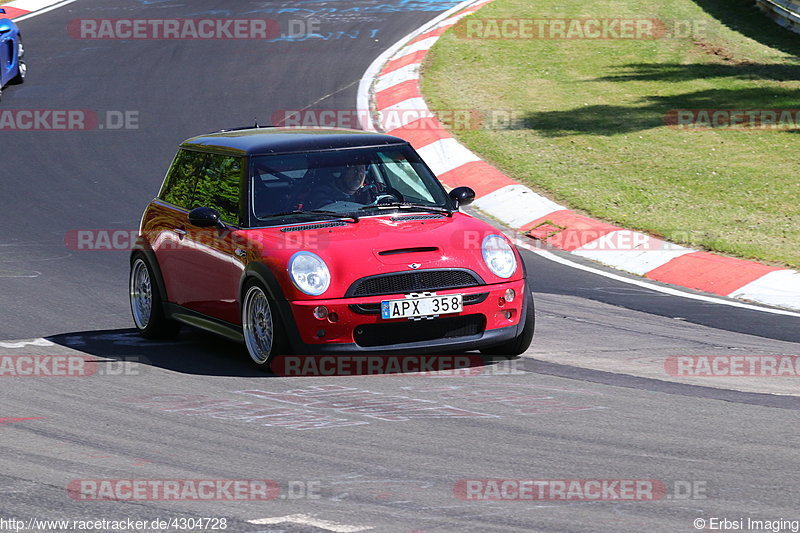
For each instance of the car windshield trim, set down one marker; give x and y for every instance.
(297, 151)
(277, 224)
(409, 206)
(312, 212)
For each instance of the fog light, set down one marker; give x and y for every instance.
(333, 317)
(510, 295)
(508, 314)
(321, 333)
(320, 312)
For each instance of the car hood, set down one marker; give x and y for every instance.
(397, 242)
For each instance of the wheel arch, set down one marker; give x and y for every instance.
(260, 272)
(143, 249)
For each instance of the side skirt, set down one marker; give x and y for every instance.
(198, 320)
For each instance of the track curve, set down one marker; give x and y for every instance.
(540, 418)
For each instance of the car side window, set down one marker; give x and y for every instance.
(219, 187)
(180, 183)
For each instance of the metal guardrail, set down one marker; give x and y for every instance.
(784, 12)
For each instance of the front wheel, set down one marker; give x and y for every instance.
(22, 68)
(261, 326)
(519, 344)
(146, 305)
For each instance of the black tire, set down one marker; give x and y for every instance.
(262, 326)
(147, 308)
(23, 68)
(519, 344)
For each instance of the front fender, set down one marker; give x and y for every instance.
(259, 271)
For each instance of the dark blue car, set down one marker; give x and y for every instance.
(12, 65)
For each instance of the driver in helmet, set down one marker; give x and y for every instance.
(352, 179)
(348, 186)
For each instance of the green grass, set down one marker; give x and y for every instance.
(593, 134)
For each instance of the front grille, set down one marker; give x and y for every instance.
(375, 308)
(390, 333)
(417, 281)
(314, 226)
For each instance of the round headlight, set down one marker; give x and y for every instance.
(499, 256)
(309, 273)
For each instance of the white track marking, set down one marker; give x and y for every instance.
(405, 112)
(396, 77)
(307, 520)
(23, 343)
(364, 86)
(631, 251)
(516, 205)
(424, 44)
(42, 11)
(35, 274)
(652, 286)
(445, 155)
(31, 5)
(780, 288)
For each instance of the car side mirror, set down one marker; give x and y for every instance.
(2, 11)
(462, 196)
(205, 217)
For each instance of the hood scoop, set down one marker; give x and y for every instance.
(419, 249)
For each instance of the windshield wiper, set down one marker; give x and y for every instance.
(410, 207)
(332, 214)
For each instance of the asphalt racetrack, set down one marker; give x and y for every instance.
(591, 400)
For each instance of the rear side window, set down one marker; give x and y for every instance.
(218, 186)
(180, 183)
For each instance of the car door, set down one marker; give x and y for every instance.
(167, 219)
(209, 264)
(6, 52)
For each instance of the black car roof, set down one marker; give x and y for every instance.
(255, 141)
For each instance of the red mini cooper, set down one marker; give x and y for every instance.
(312, 241)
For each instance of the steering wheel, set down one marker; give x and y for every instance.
(384, 199)
(388, 195)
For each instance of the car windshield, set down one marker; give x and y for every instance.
(343, 183)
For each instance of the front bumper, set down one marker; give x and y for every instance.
(354, 325)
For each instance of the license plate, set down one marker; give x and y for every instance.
(422, 307)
